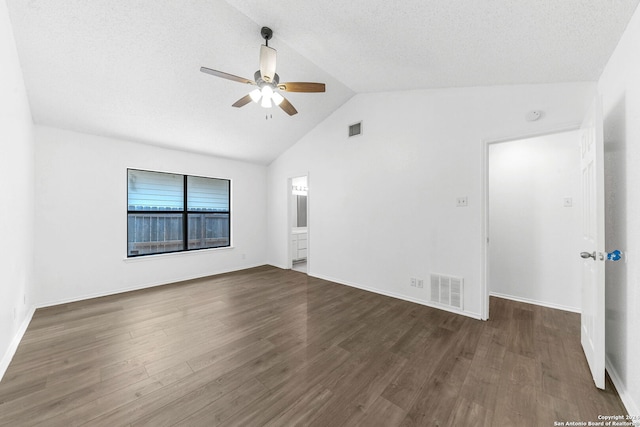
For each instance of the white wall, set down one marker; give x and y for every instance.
(16, 189)
(619, 85)
(534, 238)
(382, 205)
(81, 220)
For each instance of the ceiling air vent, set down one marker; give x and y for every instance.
(355, 129)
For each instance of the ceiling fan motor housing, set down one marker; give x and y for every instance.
(257, 76)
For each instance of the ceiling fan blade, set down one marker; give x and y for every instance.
(287, 107)
(302, 87)
(267, 63)
(242, 101)
(226, 76)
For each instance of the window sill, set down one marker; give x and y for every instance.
(175, 254)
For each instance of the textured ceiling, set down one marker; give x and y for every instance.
(130, 68)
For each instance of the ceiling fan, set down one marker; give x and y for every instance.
(268, 81)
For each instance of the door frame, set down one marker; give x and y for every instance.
(486, 143)
(290, 218)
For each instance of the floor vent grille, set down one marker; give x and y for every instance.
(447, 290)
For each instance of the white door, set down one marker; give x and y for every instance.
(592, 319)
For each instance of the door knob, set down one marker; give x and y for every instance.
(586, 255)
(614, 256)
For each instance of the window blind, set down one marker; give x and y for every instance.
(155, 191)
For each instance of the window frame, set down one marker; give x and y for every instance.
(184, 212)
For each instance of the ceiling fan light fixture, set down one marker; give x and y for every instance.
(267, 91)
(277, 98)
(255, 95)
(266, 102)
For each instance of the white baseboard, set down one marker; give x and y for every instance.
(11, 351)
(280, 266)
(139, 287)
(627, 400)
(398, 296)
(535, 302)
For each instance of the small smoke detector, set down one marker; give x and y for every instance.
(534, 115)
(355, 129)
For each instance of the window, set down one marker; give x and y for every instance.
(170, 213)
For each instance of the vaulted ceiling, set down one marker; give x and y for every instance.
(130, 68)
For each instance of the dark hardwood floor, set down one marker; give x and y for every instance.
(272, 347)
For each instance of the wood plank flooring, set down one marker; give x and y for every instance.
(276, 348)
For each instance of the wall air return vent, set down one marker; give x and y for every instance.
(447, 290)
(355, 129)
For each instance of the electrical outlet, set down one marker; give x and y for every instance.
(461, 202)
(567, 202)
(413, 282)
(420, 283)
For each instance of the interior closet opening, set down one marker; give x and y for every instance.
(534, 218)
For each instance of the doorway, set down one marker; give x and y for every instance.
(299, 223)
(533, 220)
